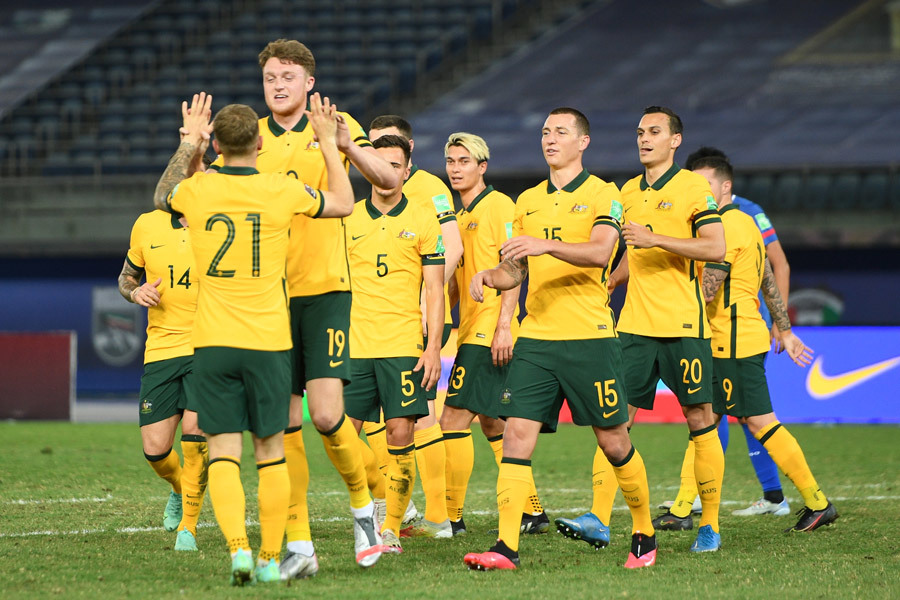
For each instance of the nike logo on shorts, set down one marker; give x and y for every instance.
(333, 364)
(407, 403)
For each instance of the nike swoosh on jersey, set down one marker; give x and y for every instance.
(152, 247)
(356, 237)
(528, 213)
(821, 386)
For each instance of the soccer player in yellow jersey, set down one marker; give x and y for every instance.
(241, 221)
(161, 251)
(423, 188)
(565, 233)
(740, 342)
(394, 248)
(319, 288)
(487, 330)
(671, 227)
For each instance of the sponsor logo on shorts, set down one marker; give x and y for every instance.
(335, 363)
(694, 390)
(406, 403)
(607, 415)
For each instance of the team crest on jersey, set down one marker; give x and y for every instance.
(310, 190)
(406, 235)
(146, 407)
(578, 209)
(472, 226)
(117, 328)
(711, 203)
(313, 145)
(663, 205)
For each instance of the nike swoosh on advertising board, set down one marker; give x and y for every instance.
(821, 386)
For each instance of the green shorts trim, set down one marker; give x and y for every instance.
(740, 388)
(445, 335)
(385, 384)
(684, 365)
(320, 327)
(586, 373)
(166, 389)
(242, 390)
(475, 383)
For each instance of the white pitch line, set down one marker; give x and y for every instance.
(61, 500)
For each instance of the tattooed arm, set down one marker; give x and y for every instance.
(132, 290)
(712, 281)
(195, 132)
(774, 301)
(505, 276)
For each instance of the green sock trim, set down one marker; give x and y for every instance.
(270, 463)
(334, 429)
(225, 459)
(769, 433)
(157, 457)
(700, 432)
(399, 451)
(525, 462)
(625, 460)
(192, 437)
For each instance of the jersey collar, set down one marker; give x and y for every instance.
(176, 224)
(478, 198)
(572, 185)
(376, 214)
(728, 207)
(659, 183)
(238, 171)
(412, 171)
(277, 129)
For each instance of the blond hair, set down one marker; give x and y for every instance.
(476, 145)
(290, 51)
(236, 128)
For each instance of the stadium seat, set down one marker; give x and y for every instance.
(874, 191)
(786, 195)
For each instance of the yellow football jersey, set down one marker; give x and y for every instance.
(317, 255)
(161, 247)
(566, 302)
(664, 297)
(240, 221)
(484, 226)
(738, 330)
(428, 190)
(387, 253)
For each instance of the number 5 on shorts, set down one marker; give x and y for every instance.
(406, 381)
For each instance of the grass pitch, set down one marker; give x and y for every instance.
(81, 516)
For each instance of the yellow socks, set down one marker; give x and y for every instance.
(401, 477)
(786, 452)
(374, 476)
(496, 443)
(431, 460)
(513, 484)
(688, 490)
(709, 469)
(341, 445)
(227, 496)
(604, 486)
(168, 467)
(377, 438)
(298, 473)
(274, 494)
(632, 479)
(193, 480)
(460, 460)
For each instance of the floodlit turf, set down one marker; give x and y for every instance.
(81, 516)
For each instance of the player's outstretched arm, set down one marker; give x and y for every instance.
(772, 297)
(430, 360)
(322, 117)
(195, 129)
(373, 167)
(709, 246)
(505, 276)
(502, 344)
